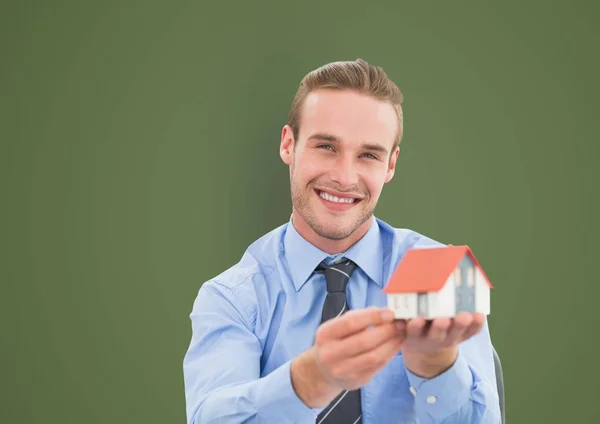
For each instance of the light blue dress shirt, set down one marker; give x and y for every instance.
(252, 320)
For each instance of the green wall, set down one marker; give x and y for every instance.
(139, 157)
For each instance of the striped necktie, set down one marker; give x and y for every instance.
(345, 408)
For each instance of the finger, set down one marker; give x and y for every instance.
(460, 323)
(352, 322)
(475, 327)
(427, 327)
(359, 343)
(368, 362)
(439, 330)
(401, 325)
(415, 328)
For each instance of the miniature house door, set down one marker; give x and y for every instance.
(465, 285)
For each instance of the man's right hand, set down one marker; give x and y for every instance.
(348, 351)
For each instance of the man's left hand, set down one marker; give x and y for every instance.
(431, 347)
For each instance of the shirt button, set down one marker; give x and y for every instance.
(413, 390)
(431, 399)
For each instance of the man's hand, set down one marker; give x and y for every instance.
(432, 347)
(348, 351)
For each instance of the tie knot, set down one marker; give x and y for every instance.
(337, 274)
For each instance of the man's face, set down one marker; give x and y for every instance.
(341, 160)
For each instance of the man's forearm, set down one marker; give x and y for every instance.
(430, 365)
(456, 396)
(308, 383)
(270, 398)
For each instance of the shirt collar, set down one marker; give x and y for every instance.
(303, 257)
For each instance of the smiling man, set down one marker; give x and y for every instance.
(340, 158)
(298, 330)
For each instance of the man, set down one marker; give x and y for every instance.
(298, 331)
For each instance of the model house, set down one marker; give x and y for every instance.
(436, 282)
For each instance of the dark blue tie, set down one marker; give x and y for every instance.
(345, 408)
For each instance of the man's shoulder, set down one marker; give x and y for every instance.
(397, 241)
(257, 262)
(402, 239)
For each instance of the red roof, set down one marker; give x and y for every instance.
(427, 269)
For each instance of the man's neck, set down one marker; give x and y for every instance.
(329, 246)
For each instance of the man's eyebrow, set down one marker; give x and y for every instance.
(375, 147)
(324, 137)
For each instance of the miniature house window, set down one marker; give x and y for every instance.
(422, 299)
(457, 277)
(471, 277)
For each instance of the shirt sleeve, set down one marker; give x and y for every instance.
(466, 393)
(222, 369)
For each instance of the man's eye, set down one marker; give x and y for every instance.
(325, 146)
(370, 156)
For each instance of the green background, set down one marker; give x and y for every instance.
(139, 157)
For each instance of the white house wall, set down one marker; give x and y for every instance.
(403, 305)
(443, 303)
(482, 293)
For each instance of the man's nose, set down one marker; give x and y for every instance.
(344, 172)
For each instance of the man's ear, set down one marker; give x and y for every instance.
(392, 164)
(286, 146)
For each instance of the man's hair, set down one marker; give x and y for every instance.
(357, 75)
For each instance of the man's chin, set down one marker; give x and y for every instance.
(334, 235)
(332, 225)
(334, 230)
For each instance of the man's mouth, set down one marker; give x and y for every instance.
(338, 198)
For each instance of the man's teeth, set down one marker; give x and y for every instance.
(331, 198)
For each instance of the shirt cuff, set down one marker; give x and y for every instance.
(444, 394)
(277, 398)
